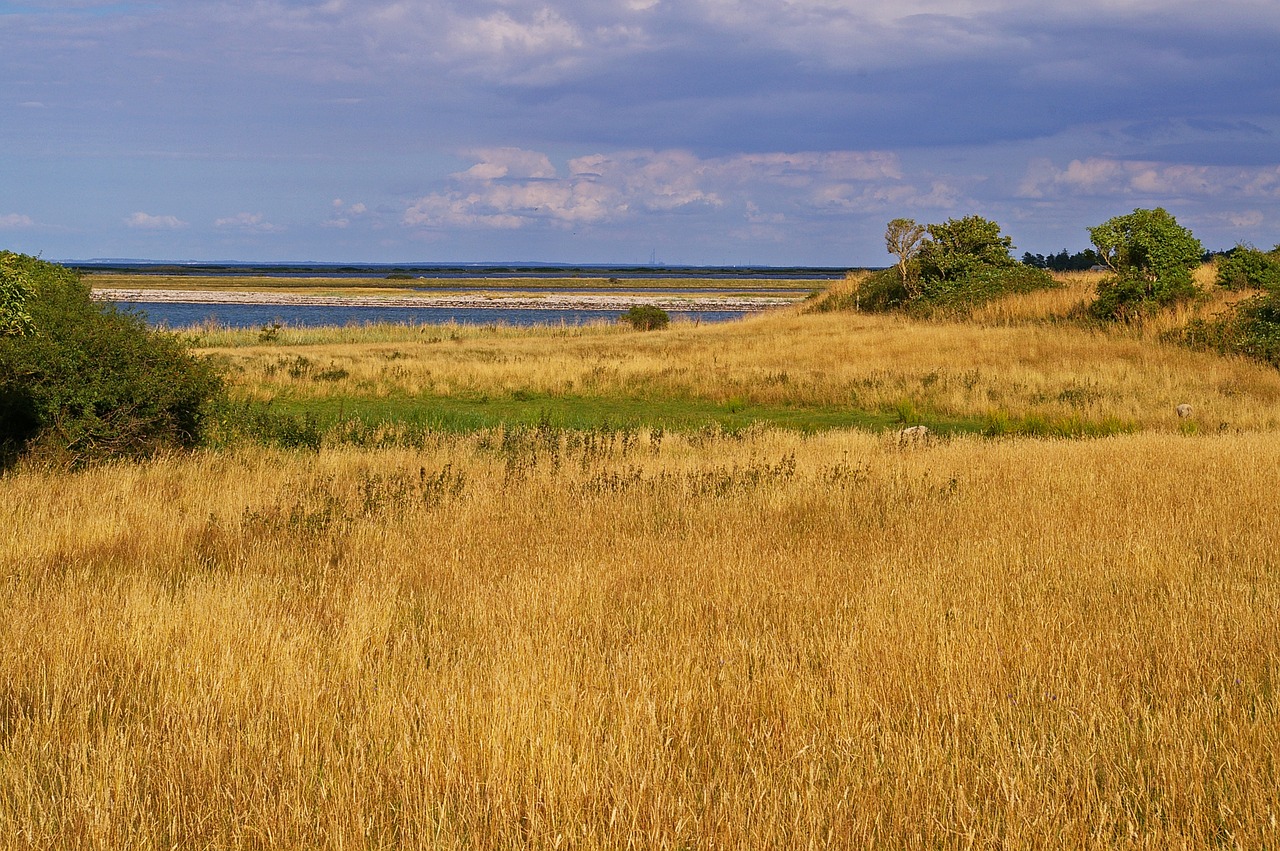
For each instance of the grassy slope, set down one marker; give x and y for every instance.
(1019, 366)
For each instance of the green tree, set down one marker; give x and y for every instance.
(949, 267)
(1151, 257)
(86, 381)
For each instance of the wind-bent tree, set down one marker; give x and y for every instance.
(902, 238)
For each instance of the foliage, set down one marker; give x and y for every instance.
(876, 292)
(981, 283)
(15, 290)
(646, 317)
(1151, 257)
(1245, 267)
(958, 247)
(87, 381)
(1251, 329)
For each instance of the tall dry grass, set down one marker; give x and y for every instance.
(540, 640)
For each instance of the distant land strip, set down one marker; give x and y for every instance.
(551, 301)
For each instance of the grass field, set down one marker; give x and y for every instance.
(641, 636)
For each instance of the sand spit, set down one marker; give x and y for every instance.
(550, 301)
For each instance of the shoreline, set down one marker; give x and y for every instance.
(551, 301)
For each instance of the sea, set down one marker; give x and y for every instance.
(184, 315)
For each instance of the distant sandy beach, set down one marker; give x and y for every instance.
(550, 301)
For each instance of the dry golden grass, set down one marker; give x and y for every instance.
(523, 641)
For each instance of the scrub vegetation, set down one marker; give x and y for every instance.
(593, 587)
(942, 269)
(81, 381)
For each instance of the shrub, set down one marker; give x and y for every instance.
(961, 264)
(981, 284)
(1245, 267)
(646, 317)
(1251, 329)
(84, 381)
(1152, 258)
(872, 291)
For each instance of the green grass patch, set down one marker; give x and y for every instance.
(521, 408)
(308, 421)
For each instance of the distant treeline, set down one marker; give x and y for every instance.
(1063, 261)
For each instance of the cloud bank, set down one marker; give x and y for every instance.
(718, 127)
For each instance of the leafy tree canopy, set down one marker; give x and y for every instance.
(1152, 258)
(1245, 267)
(958, 246)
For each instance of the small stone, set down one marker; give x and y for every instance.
(1184, 410)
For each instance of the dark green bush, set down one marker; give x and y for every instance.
(646, 317)
(957, 248)
(84, 381)
(1245, 267)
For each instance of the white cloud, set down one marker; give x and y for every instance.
(512, 188)
(1238, 219)
(146, 221)
(496, 163)
(1104, 176)
(499, 35)
(343, 213)
(254, 222)
(15, 220)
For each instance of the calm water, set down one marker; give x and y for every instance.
(306, 316)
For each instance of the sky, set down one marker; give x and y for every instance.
(705, 132)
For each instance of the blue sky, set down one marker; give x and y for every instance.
(700, 131)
